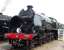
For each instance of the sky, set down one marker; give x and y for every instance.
(51, 8)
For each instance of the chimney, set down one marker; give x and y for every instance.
(29, 6)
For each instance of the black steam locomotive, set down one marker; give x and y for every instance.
(4, 25)
(26, 31)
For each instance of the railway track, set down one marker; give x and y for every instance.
(54, 45)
